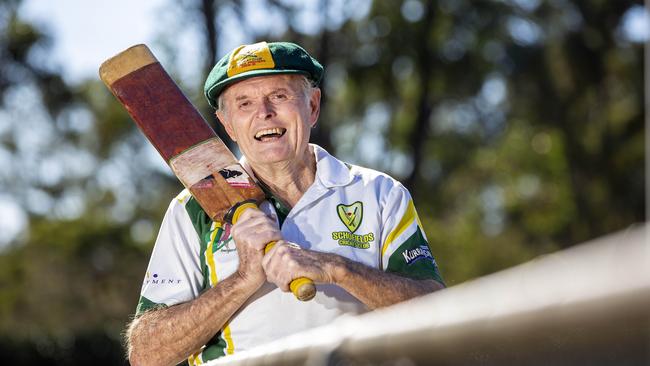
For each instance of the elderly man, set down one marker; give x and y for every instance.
(210, 290)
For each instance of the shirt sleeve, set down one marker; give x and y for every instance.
(174, 273)
(405, 249)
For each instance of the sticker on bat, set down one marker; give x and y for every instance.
(236, 177)
(205, 183)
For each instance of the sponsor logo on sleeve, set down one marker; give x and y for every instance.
(413, 255)
(156, 279)
(351, 216)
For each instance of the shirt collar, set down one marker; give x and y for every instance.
(330, 171)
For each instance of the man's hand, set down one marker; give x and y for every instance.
(251, 233)
(373, 287)
(288, 261)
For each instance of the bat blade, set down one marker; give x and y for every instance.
(196, 155)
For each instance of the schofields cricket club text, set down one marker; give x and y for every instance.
(353, 240)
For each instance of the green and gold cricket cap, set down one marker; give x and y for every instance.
(259, 59)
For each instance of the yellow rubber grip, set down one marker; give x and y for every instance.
(240, 209)
(302, 288)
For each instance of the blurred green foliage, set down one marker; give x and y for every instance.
(516, 124)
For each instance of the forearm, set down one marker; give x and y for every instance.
(376, 288)
(168, 336)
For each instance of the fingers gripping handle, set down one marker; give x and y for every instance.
(303, 288)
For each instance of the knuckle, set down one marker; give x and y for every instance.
(247, 214)
(284, 252)
(292, 262)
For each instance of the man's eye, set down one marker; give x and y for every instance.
(279, 96)
(245, 104)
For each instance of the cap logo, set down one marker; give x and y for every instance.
(250, 57)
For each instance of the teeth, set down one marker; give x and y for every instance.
(270, 131)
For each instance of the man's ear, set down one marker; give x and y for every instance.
(314, 106)
(225, 122)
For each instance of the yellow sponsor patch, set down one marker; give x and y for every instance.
(250, 57)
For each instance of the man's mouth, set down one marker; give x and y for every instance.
(270, 133)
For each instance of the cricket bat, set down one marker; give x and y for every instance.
(194, 152)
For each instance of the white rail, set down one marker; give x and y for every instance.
(588, 305)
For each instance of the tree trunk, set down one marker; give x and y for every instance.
(420, 131)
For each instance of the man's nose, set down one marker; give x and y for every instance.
(265, 109)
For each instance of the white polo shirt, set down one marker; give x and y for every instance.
(355, 212)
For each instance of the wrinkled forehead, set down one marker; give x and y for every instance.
(262, 85)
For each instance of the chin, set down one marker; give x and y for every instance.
(270, 158)
(274, 154)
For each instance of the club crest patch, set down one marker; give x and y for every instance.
(351, 215)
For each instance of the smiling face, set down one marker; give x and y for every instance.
(270, 117)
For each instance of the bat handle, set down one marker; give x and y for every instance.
(302, 288)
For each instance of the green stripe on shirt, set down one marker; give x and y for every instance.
(202, 225)
(145, 305)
